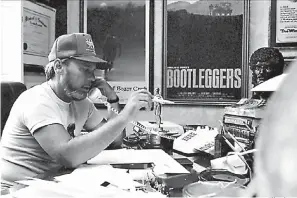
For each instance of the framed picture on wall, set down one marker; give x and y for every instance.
(38, 22)
(284, 23)
(123, 35)
(205, 51)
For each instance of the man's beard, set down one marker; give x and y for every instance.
(74, 94)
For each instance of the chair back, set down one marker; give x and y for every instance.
(10, 91)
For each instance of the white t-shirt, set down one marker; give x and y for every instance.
(39, 106)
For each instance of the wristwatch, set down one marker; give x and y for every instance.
(113, 101)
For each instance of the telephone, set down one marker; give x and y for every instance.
(194, 141)
(95, 95)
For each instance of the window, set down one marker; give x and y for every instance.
(121, 36)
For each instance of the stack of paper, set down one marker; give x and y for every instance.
(162, 161)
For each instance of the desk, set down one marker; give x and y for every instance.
(47, 176)
(50, 175)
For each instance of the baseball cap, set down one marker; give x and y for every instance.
(76, 45)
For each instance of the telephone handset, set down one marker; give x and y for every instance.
(95, 95)
(193, 141)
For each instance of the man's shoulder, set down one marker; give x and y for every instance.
(37, 90)
(35, 95)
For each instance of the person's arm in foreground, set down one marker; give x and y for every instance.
(92, 123)
(56, 141)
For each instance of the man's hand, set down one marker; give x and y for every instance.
(137, 100)
(105, 88)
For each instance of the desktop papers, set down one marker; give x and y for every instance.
(38, 189)
(86, 181)
(43, 188)
(92, 176)
(162, 161)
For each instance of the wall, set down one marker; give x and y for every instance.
(259, 24)
(260, 11)
(210, 115)
(259, 36)
(33, 78)
(181, 114)
(10, 49)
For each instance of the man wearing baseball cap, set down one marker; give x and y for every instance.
(43, 131)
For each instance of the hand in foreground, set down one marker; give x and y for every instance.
(137, 100)
(105, 88)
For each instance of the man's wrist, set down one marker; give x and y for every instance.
(114, 100)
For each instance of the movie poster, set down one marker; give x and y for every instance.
(204, 52)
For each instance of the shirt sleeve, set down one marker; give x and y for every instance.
(40, 115)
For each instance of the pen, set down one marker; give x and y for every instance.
(249, 151)
(106, 184)
(245, 152)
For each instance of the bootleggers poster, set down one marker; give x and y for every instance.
(204, 57)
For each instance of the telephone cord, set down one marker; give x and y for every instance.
(135, 123)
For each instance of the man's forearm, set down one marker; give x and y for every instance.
(111, 114)
(80, 149)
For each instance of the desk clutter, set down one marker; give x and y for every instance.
(113, 174)
(227, 148)
(227, 156)
(148, 166)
